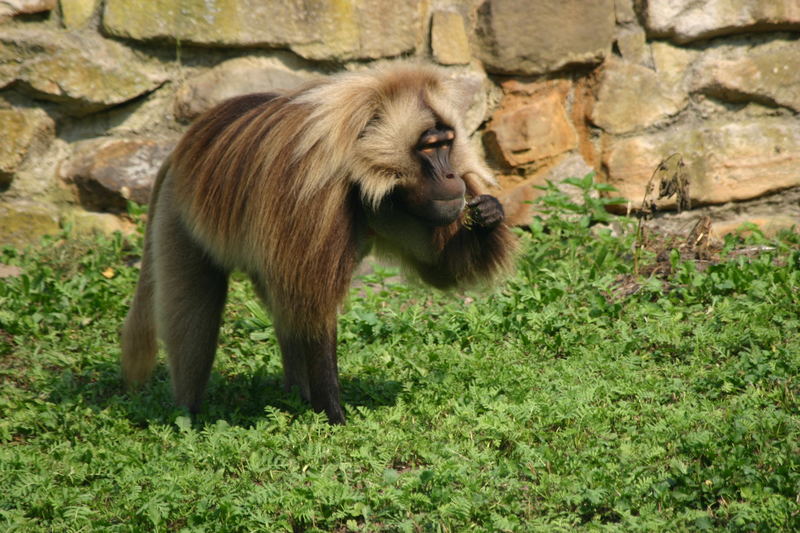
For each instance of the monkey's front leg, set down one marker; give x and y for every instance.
(486, 210)
(310, 363)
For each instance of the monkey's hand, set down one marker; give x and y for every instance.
(486, 211)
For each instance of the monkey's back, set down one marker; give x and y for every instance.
(214, 159)
(236, 184)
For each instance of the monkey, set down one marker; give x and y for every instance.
(294, 190)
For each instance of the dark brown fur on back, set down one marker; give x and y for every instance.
(237, 174)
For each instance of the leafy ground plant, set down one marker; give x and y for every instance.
(567, 398)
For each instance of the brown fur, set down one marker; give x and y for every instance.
(294, 190)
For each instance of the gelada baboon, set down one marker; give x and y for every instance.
(294, 190)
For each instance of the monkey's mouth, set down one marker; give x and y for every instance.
(430, 211)
(443, 212)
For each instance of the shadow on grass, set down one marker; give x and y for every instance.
(239, 399)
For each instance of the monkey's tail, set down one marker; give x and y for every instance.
(139, 342)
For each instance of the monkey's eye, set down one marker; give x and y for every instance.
(435, 139)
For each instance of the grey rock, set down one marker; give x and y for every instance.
(768, 73)
(12, 8)
(82, 72)
(24, 222)
(538, 36)
(23, 132)
(685, 21)
(233, 78)
(108, 172)
(349, 29)
(727, 159)
(632, 97)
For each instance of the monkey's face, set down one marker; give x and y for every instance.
(437, 193)
(412, 155)
(415, 173)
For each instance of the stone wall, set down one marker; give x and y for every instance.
(94, 93)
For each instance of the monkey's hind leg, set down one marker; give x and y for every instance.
(190, 294)
(139, 344)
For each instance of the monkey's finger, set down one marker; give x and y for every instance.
(491, 220)
(487, 211)
(482, 199)
(487, 203)
(486, 216)
(474, 182)
(493, 216)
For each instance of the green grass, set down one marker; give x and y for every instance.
(557, 400)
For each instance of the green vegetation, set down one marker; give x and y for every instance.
(576, 394)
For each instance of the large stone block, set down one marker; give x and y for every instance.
(672, 62)
(726, 160)
(538, 36)
(81, 71)
(25, 222)
(688, 20)
(108, 172)
(357, 29)
(532, 123)
(11, 8)
(22, 131)
(317, 29)
(233, 78)
(84, 222)
(77, 13)
(625, 11)
(768, 73)
(633, 47)
(632, 97)
(449, 42)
